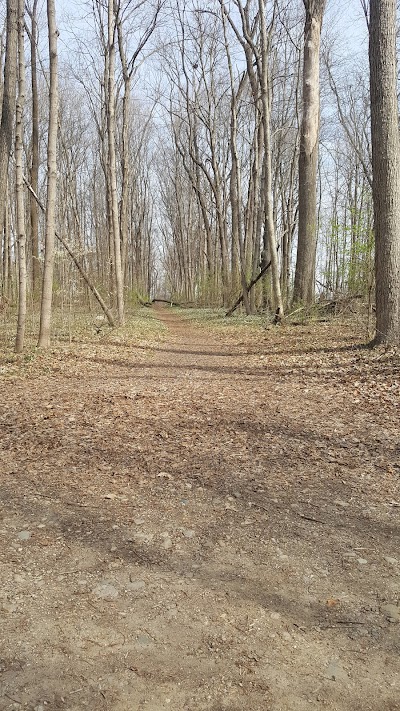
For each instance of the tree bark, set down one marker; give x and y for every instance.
(235, 177)
(34, 172)
(112, 165)
(19, 183)
(8, 102)
(304, 286)
(269, 215)
(47, 286)
(385, 168)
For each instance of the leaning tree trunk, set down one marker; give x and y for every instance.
(304, 286)
(385, 168)
(8, 102)
(47, 287)
(19, 183)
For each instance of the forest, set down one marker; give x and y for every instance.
(177, 150)
(199, 355)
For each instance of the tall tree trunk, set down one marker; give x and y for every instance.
(304, 281)
(385, 168)
(112, 165)
(47, 287)
(19, 181)
(34, 172)
(7, 276)
(8, 103)
(235, 177)
(126, 170)
(269, 215)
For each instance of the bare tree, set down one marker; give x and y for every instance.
(257, 57)
(8, 102)
(235, 182)
(304, 286)
(19, 180)
(263, 71)
(112, 162)
(129, 67)
(34, 171)
(385, 168)
(47, 287)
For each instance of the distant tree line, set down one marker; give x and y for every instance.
(180, 148)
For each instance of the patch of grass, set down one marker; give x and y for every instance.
(141, 324)
(215, 318)
(72, 329)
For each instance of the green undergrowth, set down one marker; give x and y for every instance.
(215, 318)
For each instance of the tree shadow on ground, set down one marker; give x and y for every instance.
(91, 528)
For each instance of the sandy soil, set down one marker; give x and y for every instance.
(205, 521)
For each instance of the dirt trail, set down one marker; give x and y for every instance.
(201, 524)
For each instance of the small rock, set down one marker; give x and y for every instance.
(39, 707)
(9, 607)
(136, 585)
(339, 502)
(362, 561)
(275, 616)
(142, 538)
(105, 591)
(138, 521)
(188, 533)
(113, 549)
(230, 507)
(165, 475)
(167, 543)
(19, 578)
(391, 561)
(24, 535)
(392, 612)
(144, 640)
(336, 672)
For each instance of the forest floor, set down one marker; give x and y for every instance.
(202, 517)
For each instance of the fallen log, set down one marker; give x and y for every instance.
(164, 301)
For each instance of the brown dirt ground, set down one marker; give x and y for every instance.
(205, 521)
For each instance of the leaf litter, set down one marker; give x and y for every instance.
(210, 520)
